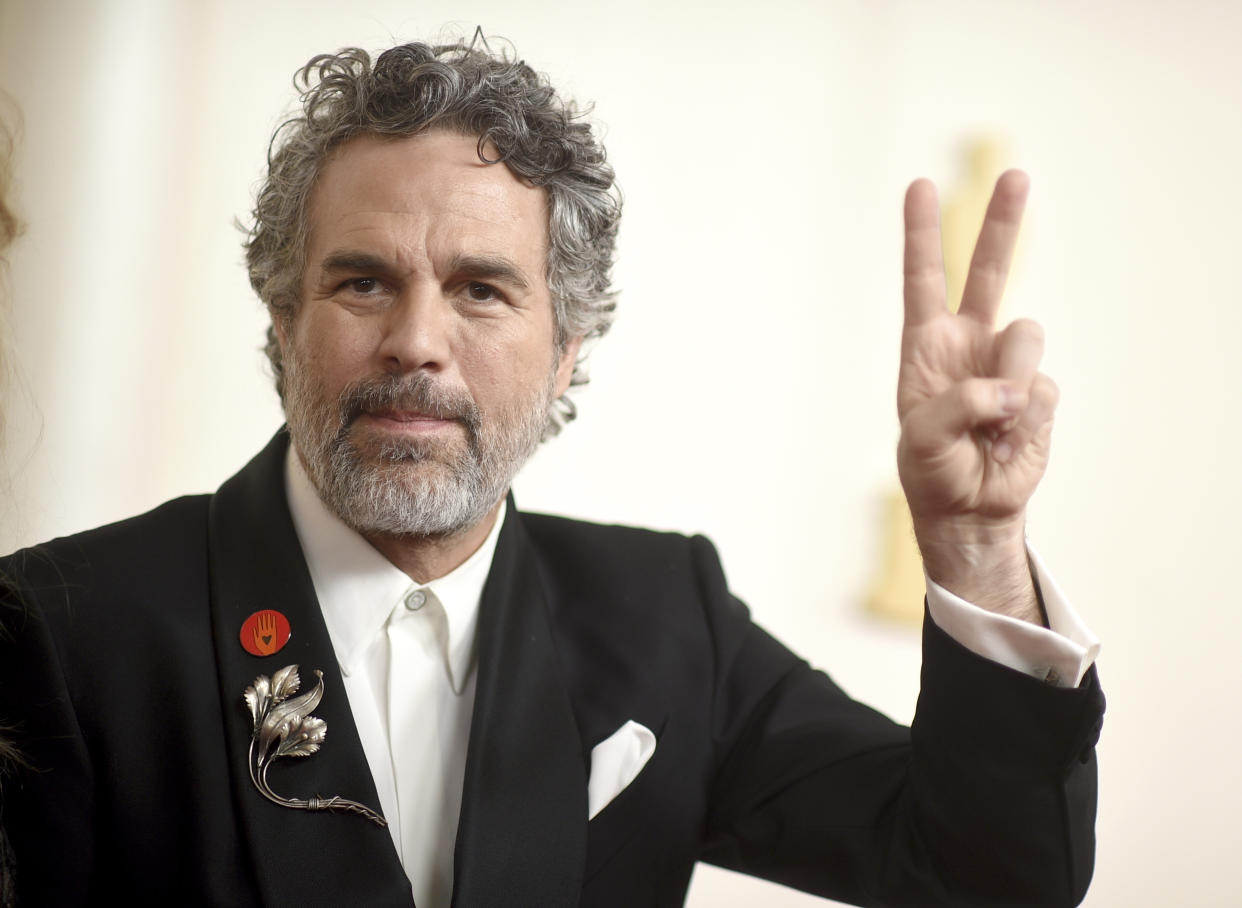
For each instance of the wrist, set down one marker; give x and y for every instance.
(982, 562)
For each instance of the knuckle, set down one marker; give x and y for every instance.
(1045, 390)
(1028, 330)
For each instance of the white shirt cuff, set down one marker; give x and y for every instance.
(1060, 654)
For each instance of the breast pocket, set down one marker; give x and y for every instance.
(658, 816)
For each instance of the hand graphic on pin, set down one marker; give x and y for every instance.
(265, 633)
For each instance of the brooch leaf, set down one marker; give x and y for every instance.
(284, 727)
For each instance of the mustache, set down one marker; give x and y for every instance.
(418, 392)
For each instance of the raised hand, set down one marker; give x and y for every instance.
(976, 414)
(265, 633)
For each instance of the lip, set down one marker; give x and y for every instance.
(407, 421)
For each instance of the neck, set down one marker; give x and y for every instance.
(427, 558)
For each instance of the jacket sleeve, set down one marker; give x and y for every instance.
(48, 796)
(987, 800)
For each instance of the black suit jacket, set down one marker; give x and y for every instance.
(123, 672)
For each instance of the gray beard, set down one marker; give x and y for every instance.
(410, 486)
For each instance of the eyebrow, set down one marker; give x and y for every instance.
(490, 267)
(355, 261)
(480, 267)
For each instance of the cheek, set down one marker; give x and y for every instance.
(334, 354)
(487, 370)
(505, 371)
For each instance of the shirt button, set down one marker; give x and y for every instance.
(415, 600)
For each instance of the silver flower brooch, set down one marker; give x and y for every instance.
(284, 727)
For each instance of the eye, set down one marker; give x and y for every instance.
(363, 286)
(480, 292)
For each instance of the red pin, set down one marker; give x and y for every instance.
(265, 632)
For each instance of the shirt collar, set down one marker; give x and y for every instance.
(358, 588)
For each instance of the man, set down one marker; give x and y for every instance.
(228, 698)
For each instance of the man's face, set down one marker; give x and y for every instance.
(421, 362)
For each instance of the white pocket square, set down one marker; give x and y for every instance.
(616, 762)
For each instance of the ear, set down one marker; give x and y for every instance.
(565, 364)
(281, 327)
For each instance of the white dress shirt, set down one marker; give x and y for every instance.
(407, 656)
(1059, 654)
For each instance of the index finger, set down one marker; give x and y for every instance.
(924, 263)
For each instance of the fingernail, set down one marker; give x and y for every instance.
(1001, 451)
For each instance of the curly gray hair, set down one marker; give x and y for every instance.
(412, 89)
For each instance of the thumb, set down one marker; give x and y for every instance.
(940, 421)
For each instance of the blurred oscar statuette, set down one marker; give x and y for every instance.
(897, 591)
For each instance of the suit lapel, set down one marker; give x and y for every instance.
(522, 833)
(256, 563)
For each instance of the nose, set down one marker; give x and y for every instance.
(417, 331)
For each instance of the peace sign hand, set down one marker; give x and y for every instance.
(976, 414)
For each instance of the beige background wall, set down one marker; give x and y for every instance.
(747, 389)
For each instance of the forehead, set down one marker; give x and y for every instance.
(430, 190)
